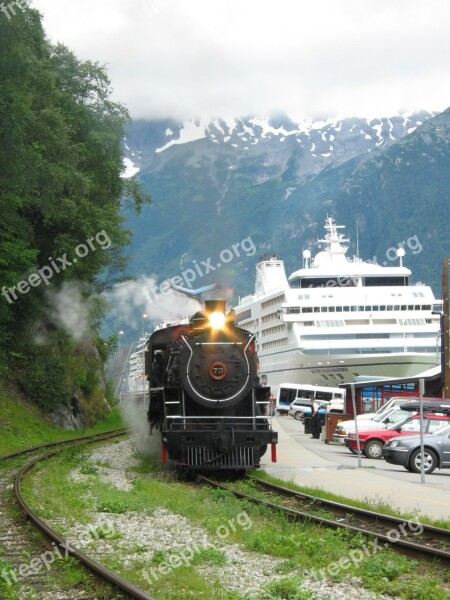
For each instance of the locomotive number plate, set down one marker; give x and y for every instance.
(218, 370)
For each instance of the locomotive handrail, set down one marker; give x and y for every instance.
(215, 419)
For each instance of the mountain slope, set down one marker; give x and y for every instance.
(216, 184)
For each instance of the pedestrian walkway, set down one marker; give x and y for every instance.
(313, 464)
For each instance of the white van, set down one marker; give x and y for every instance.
(290, 392)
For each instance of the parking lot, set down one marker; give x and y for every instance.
(334, 468)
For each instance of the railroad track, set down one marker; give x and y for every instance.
(18, 547)
(409, 537)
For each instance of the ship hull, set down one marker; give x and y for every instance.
(295, 367)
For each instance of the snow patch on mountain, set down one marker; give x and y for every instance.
(130, 169)
(190, 131)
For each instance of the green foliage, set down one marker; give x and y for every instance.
(41, 377)
(286, 588)
(209, 556)
(387, 566)
(60, 186)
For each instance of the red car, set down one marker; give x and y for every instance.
(372, 442)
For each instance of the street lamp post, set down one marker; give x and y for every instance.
(144, 316)
(440, 314)
(445, 337)
(119, 362)
(120, 333)
(445, 340)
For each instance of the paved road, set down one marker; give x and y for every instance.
(334, 468)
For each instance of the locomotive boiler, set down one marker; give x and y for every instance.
(205, 395)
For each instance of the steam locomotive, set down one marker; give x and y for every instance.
(205, 396)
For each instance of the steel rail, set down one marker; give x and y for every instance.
(106, 574)
(297, 515)
(345, 509)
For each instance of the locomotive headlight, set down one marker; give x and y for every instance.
(217, 320)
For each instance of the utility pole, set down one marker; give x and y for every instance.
(445, 331)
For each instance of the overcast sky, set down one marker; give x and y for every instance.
(307, 58)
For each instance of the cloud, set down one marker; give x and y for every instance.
(172, 58)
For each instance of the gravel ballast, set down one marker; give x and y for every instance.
(136, 537)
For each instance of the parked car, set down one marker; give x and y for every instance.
(382, 421)
(391, 403)
(405, 451)
(371, 442)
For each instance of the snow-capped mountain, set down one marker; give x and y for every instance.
(215, 183)
(315, 144)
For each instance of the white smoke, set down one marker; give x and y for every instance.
(135, 416)
(129, 300)
(71, 310)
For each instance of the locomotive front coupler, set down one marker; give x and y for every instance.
(222, 442)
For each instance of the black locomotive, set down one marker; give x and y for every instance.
(205, 395)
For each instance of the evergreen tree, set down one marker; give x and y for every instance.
(60, 186)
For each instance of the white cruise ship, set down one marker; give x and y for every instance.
(137, 382)
(337, 319)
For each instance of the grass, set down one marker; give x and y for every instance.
(288, 588)
(297, 549)
(6, 591)
(22, 425)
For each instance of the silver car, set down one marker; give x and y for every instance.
(405, 451)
